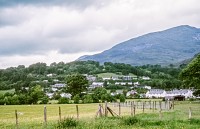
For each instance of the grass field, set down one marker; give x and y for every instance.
(5, 91)
(32, 116)
(108, 75)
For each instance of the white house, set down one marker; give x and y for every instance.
(54, 89)
(96, 84)
(157, 93)
(117, 92)
(129, 93)
(66, 95)
(147, 87)
(136, 83)
(59, 85)
(106, 78)
(127, 78)
(50, 95)
(183, 92)
(123, 83)
(145, 78)
(91, 78)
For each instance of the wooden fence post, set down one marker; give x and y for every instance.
(16, 116)
(106, 109)
(45, 115)
(131, 108)
(137, 104)
(160, 114)
(134, 109)
(153, 106)
(160, 103)
(59, 114)
(190, 113)
(150, 104)
(77, 111)
(143, 107)
(173, 104)
(119, 109)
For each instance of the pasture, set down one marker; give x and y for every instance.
(32, 116)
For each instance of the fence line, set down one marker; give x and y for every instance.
(164, 105)
(131, 108)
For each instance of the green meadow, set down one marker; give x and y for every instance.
(32, 116)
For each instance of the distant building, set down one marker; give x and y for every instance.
(145, 78)
(131, 93)
(59, 85)
(128, 78)
(50, 95)
(96, 84)
(157, 93)
(182, 92)
(136, 83)
(66, 95)
(123, 83)
(91, 78)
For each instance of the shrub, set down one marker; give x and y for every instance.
(87, 99)
(130, 120)
(67, 122)
(194, 121)
(45, 100)
(63, 100)
(76, 98)
(122, 98)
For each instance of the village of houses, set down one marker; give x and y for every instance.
(126, 81)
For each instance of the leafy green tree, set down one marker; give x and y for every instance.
(98, 93)
(76, 84)
(196, 93)
(36, 93)
(63, 100)
(76, 98)
(45, 100)
(107, 97)
(122, 98)
(87, 99)
(191, 74)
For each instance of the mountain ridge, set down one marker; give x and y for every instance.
(163, 47)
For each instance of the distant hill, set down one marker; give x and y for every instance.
(164, 47)
(187, 61)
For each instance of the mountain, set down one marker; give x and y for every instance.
(164, 47)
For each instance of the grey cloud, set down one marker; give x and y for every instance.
(78, 3)
(38, 30)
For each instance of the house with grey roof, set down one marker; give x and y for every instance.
(182, 92)
(157, 93)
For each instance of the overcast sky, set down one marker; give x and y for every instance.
(50, 31)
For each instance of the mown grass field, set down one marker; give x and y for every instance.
(108, 75)
(32, 116)
(7, 91)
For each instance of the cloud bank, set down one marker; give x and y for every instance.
(34, 30)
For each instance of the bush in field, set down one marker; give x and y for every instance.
(76, 98)
(63, 100)
(130, 120)
(67, 123)
(122, 98)
(45, 100)
(194, 121)
(87, 99)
